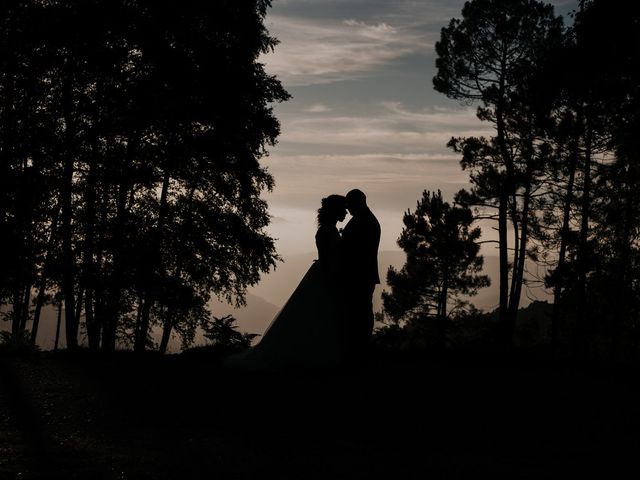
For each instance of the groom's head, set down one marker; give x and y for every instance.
(356, 202)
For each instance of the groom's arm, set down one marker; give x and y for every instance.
(350, 248)
(348, 235)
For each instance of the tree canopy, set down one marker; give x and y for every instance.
(132, 133)
(442, 264)
(559, 175)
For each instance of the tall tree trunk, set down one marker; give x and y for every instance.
(117, 276)
(42, 281)
(78, 312)
(16, 311)
(8, 126)
(167, 326)
(442, 314)
(19, 254)
(583, 253)
(564, 238)
(506, 323)
(518, 272)
(87, 262)
(505, 327)
(521, 231)
(58, 323)
(93, 333)
(149, 295)
(27, 259)
(115, 285)
(516, 247)
(99, 293)
(26, 301)
(445, 294)
(7, 160)
(139, 312)
(68, 263)
(624, 290)
(18, 279)
(37, 312)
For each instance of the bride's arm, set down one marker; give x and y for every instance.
(328, 244)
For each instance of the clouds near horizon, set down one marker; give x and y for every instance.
(323, 51)
(363, 111)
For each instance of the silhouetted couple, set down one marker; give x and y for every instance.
(328, 320)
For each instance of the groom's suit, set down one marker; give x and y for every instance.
(359, 265)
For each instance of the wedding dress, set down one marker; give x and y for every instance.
(306, 332)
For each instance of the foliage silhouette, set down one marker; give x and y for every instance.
(22, 344)
(221, 331)
(562, 165)
(132, 134)
(442, 263)
(492, 56)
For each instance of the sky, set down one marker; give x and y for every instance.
(363, 112)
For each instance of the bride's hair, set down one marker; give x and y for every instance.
(331, 208)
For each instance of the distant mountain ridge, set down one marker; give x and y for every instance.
(253, 318)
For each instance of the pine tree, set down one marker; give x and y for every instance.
(442, 263)
(492, 56)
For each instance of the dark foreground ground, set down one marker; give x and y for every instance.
(181, 417)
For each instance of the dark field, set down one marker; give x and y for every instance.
(151, 417)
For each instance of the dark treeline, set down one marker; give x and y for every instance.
(559, 176)
(130, 139)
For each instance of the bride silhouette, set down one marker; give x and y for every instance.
(307, 332)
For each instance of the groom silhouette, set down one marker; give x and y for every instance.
(359, 262)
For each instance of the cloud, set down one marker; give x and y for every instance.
(388, 150)
(317, 108)
(326, 41)
(392, 183)
(393, 180)
(275, 219)
(387, 126)
(317, 51)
